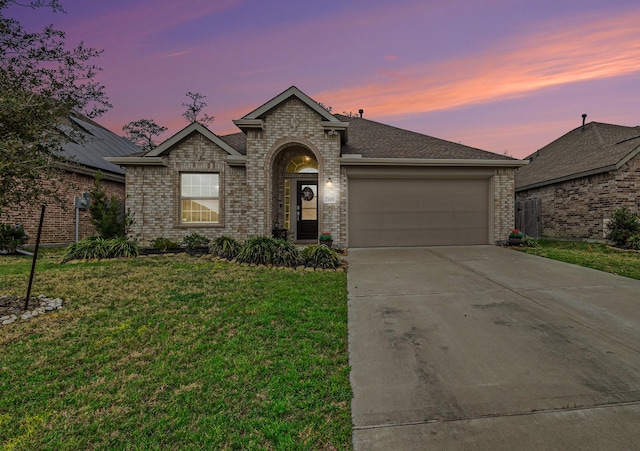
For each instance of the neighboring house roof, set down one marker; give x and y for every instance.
(98, 143)
(584, 151)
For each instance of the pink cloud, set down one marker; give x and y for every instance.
(391, 57)
(594, 50)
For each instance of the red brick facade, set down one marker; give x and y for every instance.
(580, 208)
(59, 222)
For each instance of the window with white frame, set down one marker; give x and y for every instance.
(200, 198)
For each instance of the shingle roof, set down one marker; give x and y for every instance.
(98, 143)
(237, 140)
(375, 140)
(598, 148)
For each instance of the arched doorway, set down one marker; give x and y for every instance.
(296, 188)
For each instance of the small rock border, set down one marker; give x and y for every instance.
(12, 308)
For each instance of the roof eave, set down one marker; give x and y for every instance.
(337, 127)
(85, 170)
(234, 160)
(353, 160)
(567, 178)
(137, 161)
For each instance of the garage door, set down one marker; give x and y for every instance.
(418, 212)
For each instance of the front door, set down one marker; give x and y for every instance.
(307, 211)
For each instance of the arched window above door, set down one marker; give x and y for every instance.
(302, 164)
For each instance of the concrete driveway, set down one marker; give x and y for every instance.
(487, 348)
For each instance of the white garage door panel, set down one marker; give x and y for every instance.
(418, 212)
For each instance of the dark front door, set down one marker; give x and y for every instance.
(307, 211)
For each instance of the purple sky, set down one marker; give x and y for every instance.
(502, 75)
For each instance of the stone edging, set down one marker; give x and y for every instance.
(15, 311)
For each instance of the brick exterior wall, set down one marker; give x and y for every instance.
(59, 221)
(503, 203)
(579, 208)
(252, 197)
(153, 194)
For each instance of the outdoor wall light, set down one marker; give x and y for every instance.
(329, 182)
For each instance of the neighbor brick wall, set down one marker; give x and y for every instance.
(577, 209)
(59, 220)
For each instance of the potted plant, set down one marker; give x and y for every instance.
(515, 237)
(325, 239)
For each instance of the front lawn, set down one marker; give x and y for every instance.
(175, 353)
(597, 256)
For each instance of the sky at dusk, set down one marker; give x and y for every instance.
(508, 76)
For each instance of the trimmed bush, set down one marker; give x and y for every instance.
(195, 241)
(623, 225)
(286, 253)
(99, 248)
(263, 250)
(162, 244)
(318, 256)
(634, 242)
(225, 247)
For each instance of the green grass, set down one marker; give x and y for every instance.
(597, 256)
(175, 353)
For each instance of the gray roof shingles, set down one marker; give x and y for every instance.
(98, 143)
(376, 140)
(598, 147)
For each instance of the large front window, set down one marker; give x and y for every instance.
(200, 198)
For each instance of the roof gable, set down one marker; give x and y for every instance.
(597, 147)
(194, 127)
(259, 112)
(255, 119)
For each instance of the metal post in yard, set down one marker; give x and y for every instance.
(35, 258)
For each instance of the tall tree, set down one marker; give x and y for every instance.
(143, 133)
(195, 107)
(42, 82)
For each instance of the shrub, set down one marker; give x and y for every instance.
(258, 250)
(225, 247)
(98, 247)
(269, 251)
(195, 241)
(285, 253)
(122, 247)
(634, 242)
(162, 244)
(318, 256)
(107, 214)
(623, 225)
(11, 237)
(527, 241)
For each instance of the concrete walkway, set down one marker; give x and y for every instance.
(488, 348)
